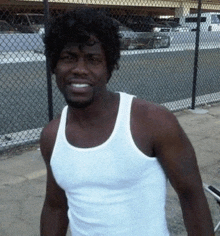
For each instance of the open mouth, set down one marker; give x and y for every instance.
(80, 85)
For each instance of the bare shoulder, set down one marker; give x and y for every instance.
(168, 138)
(48, 138)
(154, 115)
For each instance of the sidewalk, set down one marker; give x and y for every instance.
(20, 56)
(23, 177)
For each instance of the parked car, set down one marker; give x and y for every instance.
(210, 21)
(161, 27)
(128, 38)
(144, 24)
(174, 27)
(6, 28)
(28, 22)
(142, 40)
(150, 40)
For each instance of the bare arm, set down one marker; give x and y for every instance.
(54, 220)
(178, 159)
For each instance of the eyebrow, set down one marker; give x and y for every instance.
(87, 53)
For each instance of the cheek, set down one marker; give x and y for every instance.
(101, 78)
(61, 68)
(103, 75)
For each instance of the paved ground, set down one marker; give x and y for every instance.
(22, 177)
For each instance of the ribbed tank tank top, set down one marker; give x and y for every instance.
(112, 189)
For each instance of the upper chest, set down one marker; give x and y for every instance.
(100, 131)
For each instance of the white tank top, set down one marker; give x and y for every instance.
(112, 189)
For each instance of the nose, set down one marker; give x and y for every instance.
(80, 67)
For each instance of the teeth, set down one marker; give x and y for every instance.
(80, 85)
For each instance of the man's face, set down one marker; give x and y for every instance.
(81, 73)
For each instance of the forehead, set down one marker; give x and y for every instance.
(93, 45)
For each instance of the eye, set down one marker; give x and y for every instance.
(94, 59)
(68, 57)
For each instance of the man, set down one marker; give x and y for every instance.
(108, 155)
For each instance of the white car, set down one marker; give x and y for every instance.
(171, 26)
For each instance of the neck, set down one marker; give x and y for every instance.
(98, 108)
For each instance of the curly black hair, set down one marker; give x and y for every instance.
(78, 26)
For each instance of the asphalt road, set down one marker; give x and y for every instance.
(168, 76)
(160, 77)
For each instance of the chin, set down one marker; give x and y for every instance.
(79, 104)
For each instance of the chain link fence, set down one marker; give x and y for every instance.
(166, 57)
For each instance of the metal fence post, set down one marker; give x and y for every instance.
(196, 55)
(49, 83)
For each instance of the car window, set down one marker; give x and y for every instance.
(215, 19)
(194, 19)
(36, 19)
(21, 20)
(4, 27)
